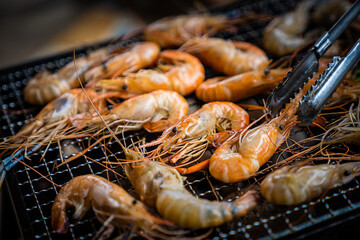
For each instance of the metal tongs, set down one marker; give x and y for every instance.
(316, 98)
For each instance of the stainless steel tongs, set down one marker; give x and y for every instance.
(316, 98)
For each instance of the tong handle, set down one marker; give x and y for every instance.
(315, 100)
(329, 37)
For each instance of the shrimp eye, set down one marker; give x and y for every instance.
(347, 173)
(281, 127)
(134, 202)
(104, 65)
(266, 71)
(124, 87)
(158, 175)
(174, 130)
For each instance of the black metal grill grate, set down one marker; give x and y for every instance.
(33, 195)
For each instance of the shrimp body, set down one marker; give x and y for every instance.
(283, 34)
(46, 86)
(55, 115)
(240, 157)
(292, 185)
(153, 111)
(189, 137)
(105, 198)
(177, 71)
(174, 31)
(240, 86)
(162, 187)
(228, 57)
(130, 59)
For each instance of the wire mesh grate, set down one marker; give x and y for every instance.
(35, 194)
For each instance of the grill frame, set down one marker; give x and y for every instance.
(30, 195)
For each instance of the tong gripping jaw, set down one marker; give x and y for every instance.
(292, 83)
(316, 98)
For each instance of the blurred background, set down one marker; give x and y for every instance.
(32, 29)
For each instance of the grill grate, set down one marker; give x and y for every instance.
(33, 195)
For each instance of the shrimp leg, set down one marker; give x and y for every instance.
(194, 168)
(194, 131)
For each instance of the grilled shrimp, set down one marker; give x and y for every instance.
(225, 56)
(283, 34)
(46, 86)
(246, 84)
(241, 156)
(175, 70)
(54, 117)
(174, 31)
(162, 187)
(240, 86)
(125, 60)
(292, 185)
(153, 111)
(189, 137)
(107, 199)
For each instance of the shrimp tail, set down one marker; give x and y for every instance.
(157, 126)
(219, 138)
(194, 168)
(248, 201)
(58, 218)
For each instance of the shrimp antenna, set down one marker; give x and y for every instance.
(96, 110)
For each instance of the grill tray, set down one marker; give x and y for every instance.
(33, 195)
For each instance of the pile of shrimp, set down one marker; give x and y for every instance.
(81, 113)
(173, 202)
(175, 70)
(142, 86)
(46, 86)
(125, 60)
(113, 206)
